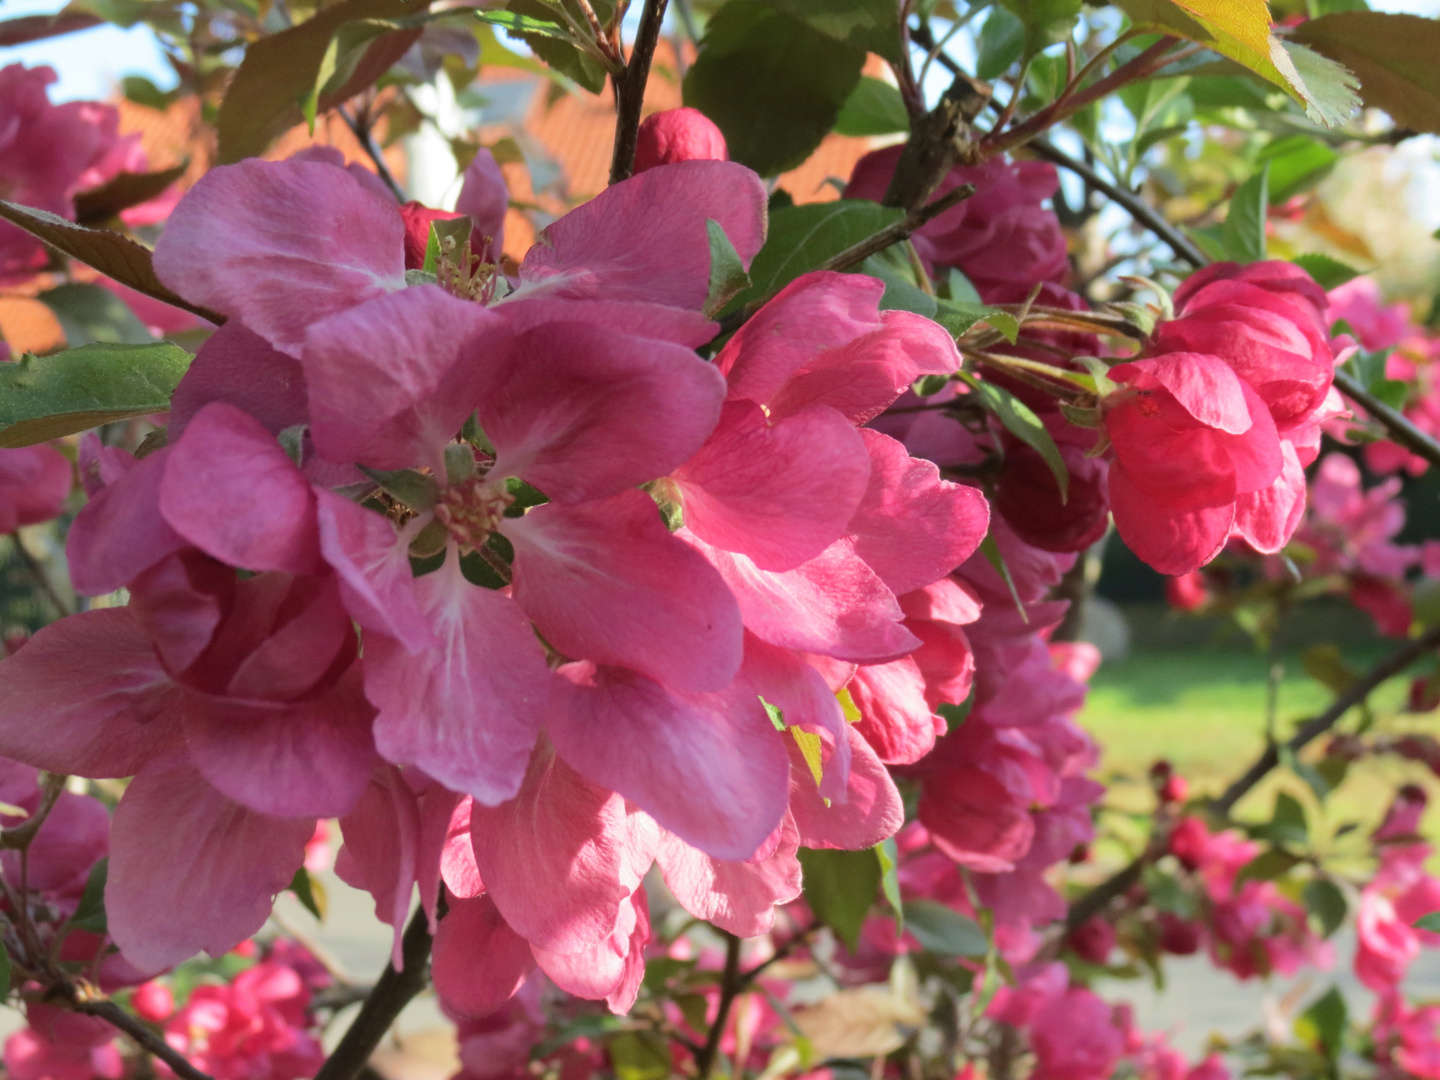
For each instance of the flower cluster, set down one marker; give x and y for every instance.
(643, 577)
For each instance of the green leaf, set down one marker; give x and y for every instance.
(1429, 922)
(867, 25)
(1326, 665)
(889, 856)
(958, 316)
(447, 239)
(416, 490)
(1322, 1025)
(1045, 22)
(279, 72)
(727, 272)
(1287, 823)
(772, 83)
(944, 930)
(955, 715)
(1267, 866)
(1328, 273)
(142, 91)
(840, 887)
(639, 1055)
(991, 550)
(566, 57)
(1297, 162)
(1002, 40)
(90, 913)
(800, 238)
(902, 288)
(45, 397)
(1394, 57)
(1327, 903)
(109, 252)
(4, 973)
(1020, 420)
(519, 25)
(873, 108)
(1240, 31)
(122, 191)
(1330, 87)
(309, 892)
(1244, 232)
(90, 313)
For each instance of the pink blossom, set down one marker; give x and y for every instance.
(35, 481)
(254, 1028)
(678, 135)
(46, 150)
(30, 1056)
(1377, 325)
(1002, 237)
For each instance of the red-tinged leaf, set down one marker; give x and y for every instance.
(1393, 55)
(38, 27)
(109, 252)
(279, 72)
(123, 191)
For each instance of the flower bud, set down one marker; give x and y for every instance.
(678, 135)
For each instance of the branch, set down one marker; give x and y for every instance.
(1095, 901)
(40, 576)
(142, 1035)
(1401, 429)
(361, 131)
(1137, 207)
(392, 992)
(893, 234)
(730, 986)
(630, 90)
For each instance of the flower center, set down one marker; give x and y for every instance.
(471, 510)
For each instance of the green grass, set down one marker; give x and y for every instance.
(1203, 709)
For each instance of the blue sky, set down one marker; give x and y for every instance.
(91, 62)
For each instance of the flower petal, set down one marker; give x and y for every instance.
(582, 413)
(1172, 541)
(912, 527)
(606, 581)
(392, 381)
(301, 241)
(119, 533)
(468, 711)
(779, 492)
(738, 897)
(191, 870)
(238, 366)
(230, 490)
(554, 858)
(87, 695)
(310, 759)
(479, 962)
(872, 812)
(708, 767)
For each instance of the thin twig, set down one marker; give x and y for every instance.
(142, 1035)
(19, 836)
(730, 987)
(392, 993)
(1401, 429)
(1095, 901)
(877, 242)
(630, 90)
(367, 143)
(1133, 204)
(41, 578)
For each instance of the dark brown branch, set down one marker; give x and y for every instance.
(731, 985)
(1137, 207)
(1401, 429)
(630, 90)
(139, 1033)
(877, 242)
(392, 992)
(1095, 901)
(362, 133)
